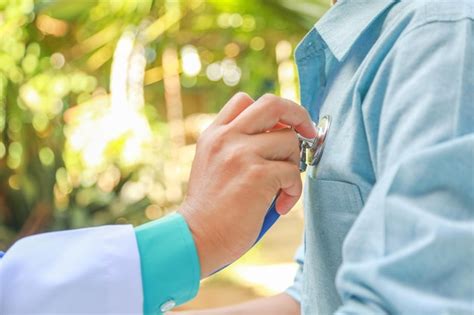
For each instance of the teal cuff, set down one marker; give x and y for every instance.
(169, 263)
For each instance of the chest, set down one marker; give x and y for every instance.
(329, 88)
(335, 191)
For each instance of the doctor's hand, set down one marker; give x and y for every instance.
(245, 157)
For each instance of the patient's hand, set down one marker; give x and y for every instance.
(281, 304)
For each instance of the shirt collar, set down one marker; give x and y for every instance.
(342, 25)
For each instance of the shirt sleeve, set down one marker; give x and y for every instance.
(411, 249)
(295, 289)
(169, 263)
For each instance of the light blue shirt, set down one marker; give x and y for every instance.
(389, 218)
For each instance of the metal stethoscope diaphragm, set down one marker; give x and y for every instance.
(311, 149)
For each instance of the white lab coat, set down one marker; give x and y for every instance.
(85, 271)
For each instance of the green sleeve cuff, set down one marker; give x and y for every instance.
(169, 263)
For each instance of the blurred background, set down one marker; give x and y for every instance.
(101, 103)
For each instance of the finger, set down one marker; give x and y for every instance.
(285, 202)
(282, 145)
(237, 104)
(289, 181)
(279, 126)
(269, 110)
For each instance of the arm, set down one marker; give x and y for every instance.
(102, 270)
(287, 303)
(237, 171)
(281, 304)
(410, 251)
(85, 271)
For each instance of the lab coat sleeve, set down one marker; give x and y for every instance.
(411, 250)
(84, 271)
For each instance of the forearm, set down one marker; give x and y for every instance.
(281, 304)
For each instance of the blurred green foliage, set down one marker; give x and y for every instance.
(88, 102)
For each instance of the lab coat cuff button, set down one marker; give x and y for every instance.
(167, 306)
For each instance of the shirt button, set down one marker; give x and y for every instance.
(167, 306)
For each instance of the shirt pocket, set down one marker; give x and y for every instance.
(338, 195)
(331, 208)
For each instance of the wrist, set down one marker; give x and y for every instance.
(207, 253)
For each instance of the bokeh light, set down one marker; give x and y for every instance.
(191, 62)
(214, 71)
(257, 43)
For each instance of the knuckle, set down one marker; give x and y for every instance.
(234, 160)
(230, 158)
(256, 172)
(242, 97)
(223, 132)
(272, 104)
(293, 171)
(214, 139)
(226, 135)
(204, 135)
(295, 159)
(293, 139)
(233, 151)
(302, 114)
(296, 171)
(202, 140)
(292, 142)
(268, 98)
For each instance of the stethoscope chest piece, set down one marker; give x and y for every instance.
(311, 150)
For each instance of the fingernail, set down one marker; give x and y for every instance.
(315, 128)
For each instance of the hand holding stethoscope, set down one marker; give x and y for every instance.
(311, 151)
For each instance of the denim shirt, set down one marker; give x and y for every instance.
(389, 216)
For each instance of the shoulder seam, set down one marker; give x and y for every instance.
(427, 22)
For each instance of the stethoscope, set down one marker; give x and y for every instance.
(311, 151)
